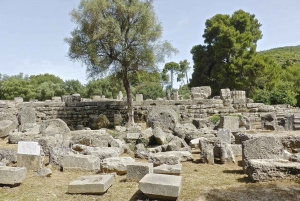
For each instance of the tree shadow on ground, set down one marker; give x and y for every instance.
(139, 196)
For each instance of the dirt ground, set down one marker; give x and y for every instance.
(201, 182)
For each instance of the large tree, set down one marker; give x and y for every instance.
(173, 68)
(118, 36)
(229, 57)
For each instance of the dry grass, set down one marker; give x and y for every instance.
(200, 182)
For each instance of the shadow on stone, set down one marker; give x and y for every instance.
(139, 196)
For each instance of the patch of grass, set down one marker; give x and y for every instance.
(199, 182)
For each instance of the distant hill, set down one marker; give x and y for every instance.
(284, 55)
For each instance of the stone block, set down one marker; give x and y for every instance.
(158, 186)
(263, 147)
(118, 120)
(92, 184)
(30, 148)
(272, 169)
(137, 170)
(200, 92)
(116, 164)
(225, 135)
(206, 146)
(168, 169)
(18, 99)
(170, 157)
(27, 115)
(80, 162)
(31, 162)
(225, 94)
(139, 97)
(6, 126)
(238, 95)
(229, 122)
(133, 136)
(12, 175)
(162, 117)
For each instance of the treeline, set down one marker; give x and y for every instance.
(45, 86)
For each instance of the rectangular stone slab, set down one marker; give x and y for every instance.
(168, 169)
(159, 186)
(92, 184)
(31, 162)
(12, 175)
(30, 148)
(137, 170)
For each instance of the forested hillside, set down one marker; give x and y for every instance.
(284, 55)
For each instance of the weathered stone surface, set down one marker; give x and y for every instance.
(168, 169)
(31, 162)
(137, 170)
(162, 117)
(43, 172)
(92, 184)
(224, 152)
(94, 138)
(269, 121)
(9, 154)
(103, 152)
(29, 127)
(202, 92)
(139, 97)
(272, 169)
(187, 130)
(116, 164)
(236, 149)
(30, 148)
(12, 175)
(6, 126)
(159, 186)
(56, 154)
(15, 137)
(225, 94)
(159, 135)
(206, 146)
(101, 122)
(27, 115)
(170, 157)
(80, 162)
(118, 120)
(229, 122)
(133, 136)
(54, 126)
(264, 147)
(146, 137)
(225, 135)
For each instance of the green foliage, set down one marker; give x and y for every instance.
(173, 68)
(74, 86)
(109, 87)
(16, 87)
(47, 90)
(150, 90)
(39, 79)
(229, 58)
(215, 119)
(184, 91)
(281, 95)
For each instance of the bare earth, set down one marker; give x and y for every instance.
(201, 182)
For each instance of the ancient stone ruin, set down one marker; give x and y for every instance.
(91, 135)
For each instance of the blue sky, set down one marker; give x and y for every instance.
(32, 32)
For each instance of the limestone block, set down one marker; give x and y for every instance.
(159, 186)
(272, 169)
(223, 151)
(18, 99)
(15, 137)
(92, 184)
(170, 157)
(225, 94)
(12, 175)
(30, 148)
(6, 126)
(162, 117)
(269, 121)
(236, 149)
(54, 126)
(159, 135)
(31, 162)
(139, 97)
(229, 122)
(225, 135)
(238, 94)
(8, 154)
(27, 115)
(133, 136)
(200, 92)
(263, 147)
(43, 172)
(206, 146)
(56, 154)
(118, 120)
(168, 169)
(137, 170)
(116, 164)
(80, 162)
(104, 152)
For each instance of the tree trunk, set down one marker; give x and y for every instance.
(187, 79)
(171, 79)
(129, 99)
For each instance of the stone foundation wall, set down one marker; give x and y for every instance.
(79, 113)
